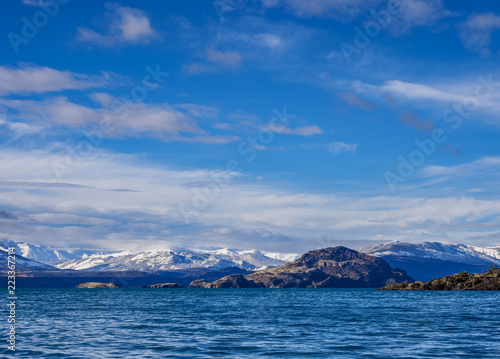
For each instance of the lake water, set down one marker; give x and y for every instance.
(251, 323)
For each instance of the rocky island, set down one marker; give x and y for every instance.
(97, 285)
(489, 280)
(337, 267)
(163, 285)
(230, 281)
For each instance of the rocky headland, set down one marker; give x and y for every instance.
(489, 280)
(337, 267)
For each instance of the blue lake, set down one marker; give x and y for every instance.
(252, 323)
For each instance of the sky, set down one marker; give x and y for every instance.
(280, 125)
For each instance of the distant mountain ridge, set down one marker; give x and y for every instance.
(46, 254)
(422, 261)
(174, 260)
(21, 263)
(425, 261)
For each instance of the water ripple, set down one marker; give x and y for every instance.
(251, 323)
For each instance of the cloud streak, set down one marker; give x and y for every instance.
(340, 147)
(31, 79)
(117, 118)
(148, 214)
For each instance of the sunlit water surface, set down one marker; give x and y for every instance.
(251, 323)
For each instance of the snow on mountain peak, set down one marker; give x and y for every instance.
(460, 253)
(183, 259)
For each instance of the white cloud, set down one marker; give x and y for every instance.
(37, 79)
(198, 68)
(344, 10)
(212, 139)
(200, 111)
(411, 13)
(270, 40)
(408, 90)
(126, 25)
(301, 131)
(266, 44)
(339, 147)
(415, 13)
(148, 214)
(477, 168)
(164, 121)
(38, 3)
(228, 59)
(354, 100)
(441, 96)
(477, 30)
(20, 129)
(218, 60)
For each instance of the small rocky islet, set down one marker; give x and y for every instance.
(93, 285)
(163, 285)
(230, 281)
(489, 280)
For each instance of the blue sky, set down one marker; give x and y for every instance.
(282, 125)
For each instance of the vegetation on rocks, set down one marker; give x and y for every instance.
(489, 280)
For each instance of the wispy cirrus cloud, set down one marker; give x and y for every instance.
(354, 100)
(411, 91)
(415, 13)
(228, 59)
(300, 131)
(477, 30)
(413, 120)
(483, 90)
(217, 60)
(407, 14)
(340, 147)
(345, 10)
(164, 121)
(29, 79)
(38, 3)
(477, 177)
(125, 26)
(465, 170)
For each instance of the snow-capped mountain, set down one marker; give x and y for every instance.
(430, 260)
(45, 254)
(287, 257)
(176, 260)
(21, 262)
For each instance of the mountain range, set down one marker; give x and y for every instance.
(422, 261)
(425, 261)
(177, 260)
(46, 254)
(159, 260)
(22, 263)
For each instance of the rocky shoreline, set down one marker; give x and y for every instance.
(337, 267)
(489, 280)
